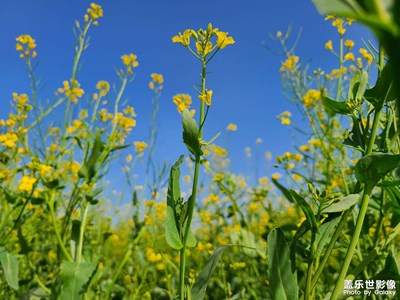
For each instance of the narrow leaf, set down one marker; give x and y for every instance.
(200, 286)
(305, 207)
(283, 278)
(191, 134)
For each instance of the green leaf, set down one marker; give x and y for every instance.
(88, 168)
(334, 107)
(383, 90)
(191, 134)
(355, 138)
(305, 207)
(373, 167)
(343, 204)
(283, 278)
(358, 85)
(173, 196)
(391, 269)
(9, 264)
(191, 240)
(284, 190)
(200, 286)
(75, 276)
(323, 235)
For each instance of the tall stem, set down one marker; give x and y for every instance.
(353, 243)
(192, 199)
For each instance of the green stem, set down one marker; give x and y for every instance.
(116, 274)
(192, 199)
(57, 233)
(119, 96)
(354, 241)
(82, 232)
(309, 287)
(330, 247)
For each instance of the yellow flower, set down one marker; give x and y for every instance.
(125, 123)
(128, 158)
(71, 90)
(223, 40)
(26, 184)
(183, 39)
(8, 139)
(157, 78)
(139, 147)
(231, 127)
(203, 50)
(367, 56)
(182, 101)
(218, 177)
(328, 45)
(338, 23)
(315, 143)
(263, 180)
(349, 56)
(276, 176)
(278, 34)
(218, 151)
(25, 45)
(207, 97)
(349, 44)
(310, 97)
(290, 64)
(129, 60)
(285, 121)
(94, 11)
(103, 87)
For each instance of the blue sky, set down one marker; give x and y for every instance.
(244, 77)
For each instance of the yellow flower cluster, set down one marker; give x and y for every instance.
(182, 101)
(231, 127)
(152, 256)
(103, 87)
(71, 89)
(218, 151)
(204, 45)
(139, 147)
(366, 55)
(26, 184)
(285, 118)
(43, 169)
(156, 79)
(8, 139)
(206, 97)
(311, 97)
(105, 115)
(287, 156)
(26, 45)
(94, 12)
(125, 123)
(328, 45)
(290, 64)
(349, 44)
(130, 61)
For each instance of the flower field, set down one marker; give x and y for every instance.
(324, 224)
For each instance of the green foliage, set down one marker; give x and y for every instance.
(75, 277)
(9, 263)
(191, 134)
(282, 276)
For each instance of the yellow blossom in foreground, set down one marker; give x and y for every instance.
(223, 40)
(157, 78)
(139, 147)
(8, 139)
(349, 44)
(129, 60)
(231, 127)
(203, 50)
(206, 97)
(95, 11)
(183, 39)
(71, 90)
(103, 87)
(182, 101)
(290, 64)
(310, 98)
(26, 184)
(218, 177)
(349, 56)
(285, 121)
(328, 45)
(367, 56)
(25, 45)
